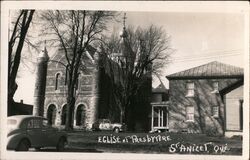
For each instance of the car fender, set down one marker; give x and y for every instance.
(13, 140)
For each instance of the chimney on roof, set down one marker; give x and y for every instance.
(21, 101)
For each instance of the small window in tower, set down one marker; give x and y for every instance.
(190, 89)
(216, 111)
(57, 83)
(215, 87)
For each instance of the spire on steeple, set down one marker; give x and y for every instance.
(124, 32)
(124, 20)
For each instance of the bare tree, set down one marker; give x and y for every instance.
(74, 31)
(16, 42)
(138, 54)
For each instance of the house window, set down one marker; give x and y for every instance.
(190, 113)
(215, 87)
(57, 81)
(216, 111)
(190, 89)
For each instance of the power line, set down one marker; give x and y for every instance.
(217, 52)
(204, 57)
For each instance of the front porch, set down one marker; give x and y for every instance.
(159, 116)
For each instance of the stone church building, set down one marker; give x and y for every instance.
(93, 97)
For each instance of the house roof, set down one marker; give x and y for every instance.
(210, 70)
(160, 89)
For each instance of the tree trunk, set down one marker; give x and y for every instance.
(129, 117)
(12, 73)
(122, 116)
(201, 115)
(70, 110)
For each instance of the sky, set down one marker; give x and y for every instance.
(197, 38)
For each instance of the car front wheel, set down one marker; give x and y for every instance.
(61, 144)
(23, 145)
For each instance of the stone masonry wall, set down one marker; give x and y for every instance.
(86, 94)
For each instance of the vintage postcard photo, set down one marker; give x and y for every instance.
(124, 80)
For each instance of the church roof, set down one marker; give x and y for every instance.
(210, 70)
(60, 56)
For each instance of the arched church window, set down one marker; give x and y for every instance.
(51, 114)
(80, 115)
(57, 83)
(78, 81)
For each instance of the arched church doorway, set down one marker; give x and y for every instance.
(80, 115)
(51, 114)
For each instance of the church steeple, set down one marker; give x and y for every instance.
(124, 33)
(123, 36)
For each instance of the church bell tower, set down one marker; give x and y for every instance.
(40, 82)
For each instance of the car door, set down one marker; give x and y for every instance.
(50, 133)
(34, 132)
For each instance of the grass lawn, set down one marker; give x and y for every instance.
(172, 143)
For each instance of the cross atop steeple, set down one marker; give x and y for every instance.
(124, 20)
